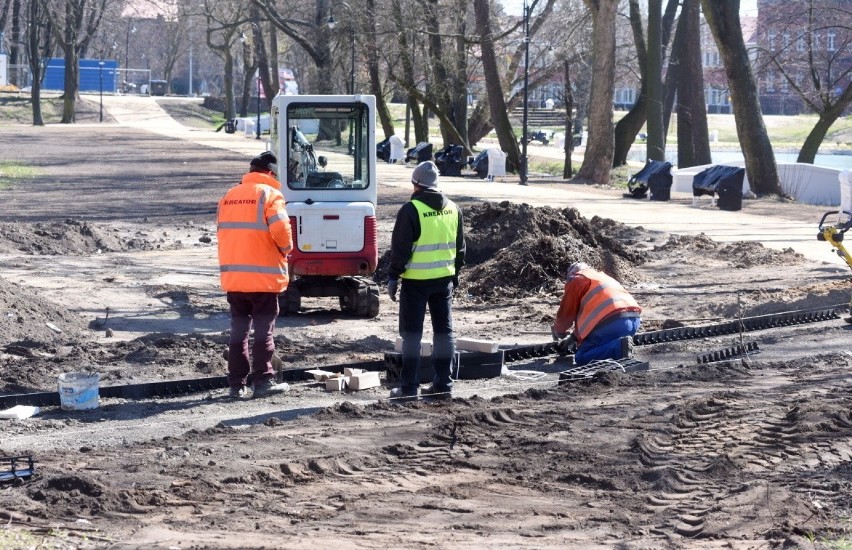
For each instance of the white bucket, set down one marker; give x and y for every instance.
(78, 391)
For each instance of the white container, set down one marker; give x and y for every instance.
(78, 391)
(845, 178)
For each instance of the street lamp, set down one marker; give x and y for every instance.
(101, 78)
(258, 103)
(131, 28)
(524, 158)
(333, 23)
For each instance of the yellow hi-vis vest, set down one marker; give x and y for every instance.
(433, 255)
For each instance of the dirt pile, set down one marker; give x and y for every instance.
(69, 236)
(517, 249)
(738, 254)
(26, 317)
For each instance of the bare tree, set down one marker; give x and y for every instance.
(15, 49)
(600, 147)
(79, 21)
(656, 144)
(310, 33)
(39, 46)
(373, 69)
(223, 29)
(693, 144)
(812, 59)
(406, 72)
(723, 18)
(628, 127)
(496, 102)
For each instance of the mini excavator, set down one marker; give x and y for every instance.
(833, 234)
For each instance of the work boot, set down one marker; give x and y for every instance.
(399, 396)
(434, 393)
(236, 392)
(267, 386)
(626, 347)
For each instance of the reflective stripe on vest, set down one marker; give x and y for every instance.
(433, 255)
(258, 223)
(605, 296)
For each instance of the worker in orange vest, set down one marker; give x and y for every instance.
(254, 239)
(604, 316)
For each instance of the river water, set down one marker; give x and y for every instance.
(638, 153)
(840, 162)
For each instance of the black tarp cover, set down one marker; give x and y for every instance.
(383, 150)
(450, 160)
(708, 181)
(480, 165)
(657, 172)
(420, 152)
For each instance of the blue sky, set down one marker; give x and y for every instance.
(516, 7)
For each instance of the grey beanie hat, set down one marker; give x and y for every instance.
(425, 175)
(576, 267)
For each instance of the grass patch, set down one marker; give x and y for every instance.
(192, 113)
(550, 167)
(12, 171)
(15, 108)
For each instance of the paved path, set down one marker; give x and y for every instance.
(672, 217)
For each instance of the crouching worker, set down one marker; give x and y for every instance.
(604, 316)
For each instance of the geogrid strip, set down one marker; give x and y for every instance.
(746, 324)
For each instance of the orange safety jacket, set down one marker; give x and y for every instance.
(254, 236)
(591, 297)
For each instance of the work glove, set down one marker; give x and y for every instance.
(393, 285)
(567, 344)
(555, 334)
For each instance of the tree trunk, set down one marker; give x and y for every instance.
(34, 40)
(72, 70)
(499, 113)
(72, 85)
(655, 146)
(630, 124)
(14, 56)
(229, 85)
(568, 93)
(673, 68)
(809, 149)
(373, 70)
(693, 143)
(249, 68)
(723, 19)
(420, 131)
(439, 86)
(458, 87)
(597, 161)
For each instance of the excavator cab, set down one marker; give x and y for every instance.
(327, 168)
